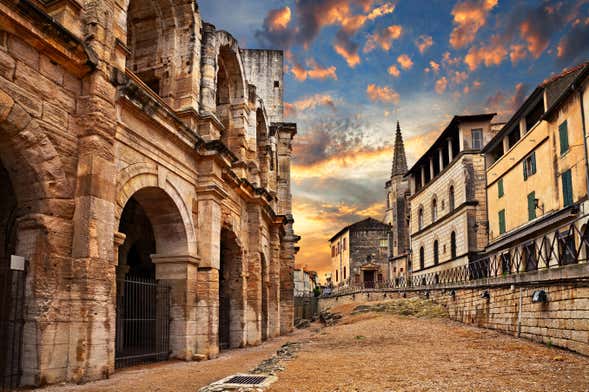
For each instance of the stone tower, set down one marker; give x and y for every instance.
(397, 188)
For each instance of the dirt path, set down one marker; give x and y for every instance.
(379, 352)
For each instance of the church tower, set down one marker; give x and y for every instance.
(397, 209)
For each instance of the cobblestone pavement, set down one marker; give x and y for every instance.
(378, 352)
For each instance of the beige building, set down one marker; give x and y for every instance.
(359, 254)
(537, 170)
(141, 151)
(448, 225)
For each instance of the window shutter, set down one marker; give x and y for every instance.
(533, 162)
(525, 165)
(532, 206)
(501, 221)
(567, 188)
(500, 187)
(564, 137)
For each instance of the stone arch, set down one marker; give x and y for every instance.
(173, 209)
(434, 208)
(160, 36)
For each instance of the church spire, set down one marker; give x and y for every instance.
(399, 158)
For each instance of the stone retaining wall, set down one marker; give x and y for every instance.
(563, 321)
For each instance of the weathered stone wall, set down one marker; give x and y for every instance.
(563, 321)
(364, 248)
(265, 69)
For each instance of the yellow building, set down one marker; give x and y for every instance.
(537, 173)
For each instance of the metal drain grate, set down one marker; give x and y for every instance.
(247, 380)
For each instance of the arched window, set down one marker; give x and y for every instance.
(436, 253)
(344, 273)
(420, 218)
(451, 198)
(434, 210)
(453, 245)
(421, 258)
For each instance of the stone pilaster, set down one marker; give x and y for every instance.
(254, 277)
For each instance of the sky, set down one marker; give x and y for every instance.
(356, 67)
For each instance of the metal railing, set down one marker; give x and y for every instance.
(12, 298)
(567, 244)
(143, 321)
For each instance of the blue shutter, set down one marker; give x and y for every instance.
(500, 189)
(501, 221)
(563, 132)
(533, 162)
(567, 188)
(525, 165)
(532, 206)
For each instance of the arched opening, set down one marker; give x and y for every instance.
(434, 210)
(8, 209)
(231, 292)
(453, 245)
(420, 218)
(421, 258)
(436, 253)
(223, 97)
(144, 29)
(151, 224)
(451, 198)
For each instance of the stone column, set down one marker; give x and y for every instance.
(450, 152)
(121, 272)
(179, 273)
(274, 286)
(237, 134)
(207, 315)
(254, 277)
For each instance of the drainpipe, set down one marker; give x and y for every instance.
(581, 91)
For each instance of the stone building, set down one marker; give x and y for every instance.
(448, 224)
(359, 254)
(397, 211)
(140, 146)
(537, 176)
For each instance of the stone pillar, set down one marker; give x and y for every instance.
(179, 272)
(450, 152)
(121, 273)
(237, 134)
(207, 315)
(287, 279)
(274, 286)
(441, 157)
(254, 277)
(431, 168)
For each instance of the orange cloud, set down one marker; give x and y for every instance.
(536, 41)
(383, 38)
(394, 71)
(351, 56)
(405, 61)
(309, 103)
(314, 71)
(382, 94)
(491, 54)
(441, 85)
(385, 9)
(434, 66)
(278, 19)
(424, 42)
(517, 53)
(459, 77)
(469, 17)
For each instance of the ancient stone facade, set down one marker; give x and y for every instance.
(137, 141)
(360, 253)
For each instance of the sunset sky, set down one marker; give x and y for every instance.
(355, 67)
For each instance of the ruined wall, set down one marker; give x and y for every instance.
(365, 248)
(563, 321)
(265, 69)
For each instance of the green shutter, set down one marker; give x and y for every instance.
(533, 162)
(501, 221)
(500, 189)
(563, 132)
(532, 206)
(525, 170)
(567, 188)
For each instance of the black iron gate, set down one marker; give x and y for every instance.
(143, 322)
(12, 295)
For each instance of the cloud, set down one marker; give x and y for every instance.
(394, 71)
(383, 94)
(441, 85)
(459, 77)
(278, 19)
(383, 38)
(385, 9)
(469, 16)
(405, 61)
(424, 42)
(517, 52)
(314, 71)
(491, 54)
(505, 104)
(347, 49)
(309, 102)
(434, 66)
(575, 44)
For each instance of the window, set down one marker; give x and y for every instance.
(567, 188)
(344, 273)
(451, 198)
(501, 221)
(477, 138)
(500, 190)
(421, 258)
(534, 115)
(333, 251)
(276, 84)
(532, 206)
(563, 133)
(420, 218)
(434, 210)
(505, 263)
(384, 243)
(344, 244)
(436, 253)
(529, 165)
(531, 257)
(336, 276)
(453, 245)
